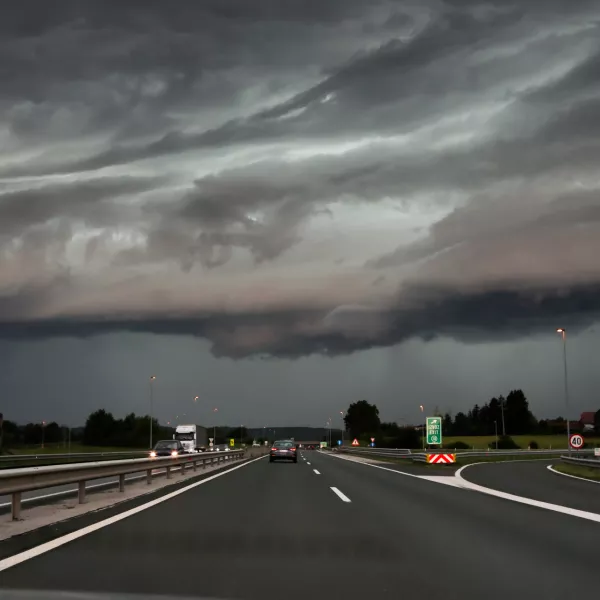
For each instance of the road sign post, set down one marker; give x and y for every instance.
(434, 431)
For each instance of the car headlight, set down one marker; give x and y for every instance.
(152, 454)
(174, 453)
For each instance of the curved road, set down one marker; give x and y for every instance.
(533, 479)
(324, 528)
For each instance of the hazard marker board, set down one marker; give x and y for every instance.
(441, 459)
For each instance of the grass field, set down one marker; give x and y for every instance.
(544, 441)
(585, 472)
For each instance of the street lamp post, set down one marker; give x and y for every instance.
(563, 333)
(152, 378)
(496, 430)
(502, 411)
(424, 424)
(43, 427)
(343, 425)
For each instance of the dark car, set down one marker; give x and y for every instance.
(167, 448)
(283, 450)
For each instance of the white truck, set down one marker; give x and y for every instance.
(192, 437)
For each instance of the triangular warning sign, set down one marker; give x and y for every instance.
(355, 442)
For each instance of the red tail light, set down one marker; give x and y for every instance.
(273, 449)
(293, 449)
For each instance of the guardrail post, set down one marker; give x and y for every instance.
(81, 494)
(182, 469)
(168, 472)
(194, 464)
(149, 476)
(121, 483)
(16, 506)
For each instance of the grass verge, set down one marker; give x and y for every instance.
(578, 471)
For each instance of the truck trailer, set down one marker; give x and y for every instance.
(194, 438)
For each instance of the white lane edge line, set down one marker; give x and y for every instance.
(341, 496)
(316, 472)
(467, 485)
(16, 559)
(551, 468)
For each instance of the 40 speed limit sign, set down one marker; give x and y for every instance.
(576, 441)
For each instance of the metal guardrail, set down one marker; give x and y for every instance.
(10, 458)
(594, 463)
(17, 481)
(421, 456)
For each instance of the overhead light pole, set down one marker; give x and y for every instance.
(424, 424)
(343, 425)
(563, 333)
(152, 379)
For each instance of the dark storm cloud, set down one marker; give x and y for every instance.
(85, 200)
(162, 170)
(427, 313)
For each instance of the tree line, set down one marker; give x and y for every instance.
(103, 429)
(503, 416)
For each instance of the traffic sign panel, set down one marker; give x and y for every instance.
(576, 441)
(355, 442)
(372, 439)
(232, 442)
(434, 430)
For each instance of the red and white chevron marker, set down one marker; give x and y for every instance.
(441, 459)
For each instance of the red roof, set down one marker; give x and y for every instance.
(587, 418)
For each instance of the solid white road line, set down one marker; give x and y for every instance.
(342, 497)
(316, 472)
(16, 559)
(551, 468)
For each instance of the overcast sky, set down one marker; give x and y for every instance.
(284, 206)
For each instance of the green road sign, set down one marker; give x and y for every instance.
(434, 430)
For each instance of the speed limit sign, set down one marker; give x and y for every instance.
(576, 441)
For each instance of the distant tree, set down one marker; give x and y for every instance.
(52, 433)
(32, 434)
(100, 429)
(447, 425)
(462, 424)
(597, 422)
(518, 417)
(362, 418)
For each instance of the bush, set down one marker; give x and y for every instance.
(458, 445)
(533, 445)
(507, 443)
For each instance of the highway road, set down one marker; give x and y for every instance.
(326, 527)
(533, 479)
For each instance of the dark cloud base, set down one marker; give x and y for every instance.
(435, 312)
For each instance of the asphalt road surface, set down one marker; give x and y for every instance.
(329, 529)
(532, 479)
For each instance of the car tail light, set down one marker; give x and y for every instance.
(273, 449)
(293, 449)
(174, 453)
